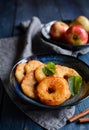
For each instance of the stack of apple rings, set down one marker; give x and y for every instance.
(48, 89)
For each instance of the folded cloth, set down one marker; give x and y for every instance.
(48, 119)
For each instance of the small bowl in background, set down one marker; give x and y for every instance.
(46, 36)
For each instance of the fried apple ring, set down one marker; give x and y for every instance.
(20, 72)
(32, 65)
(66, 72)
(53, 91)
(39, 74)
(28, 85)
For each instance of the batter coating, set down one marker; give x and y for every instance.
(61, 71)
(28, 85)
(32, 65)
(53, 91)
(66, 72)
(20, 72)
(39, 74)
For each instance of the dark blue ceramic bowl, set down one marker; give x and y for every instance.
(69, 61)
(46, 36)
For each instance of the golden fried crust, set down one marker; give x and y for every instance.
(53, 90)
(28, 85)
(20, 72)
(39, 74)
(66, 72)
(32, 65)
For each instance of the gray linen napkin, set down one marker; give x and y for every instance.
(33, 44)
(48, 119)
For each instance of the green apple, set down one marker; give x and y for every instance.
(76, 35)
(81, 20)
(57, 30)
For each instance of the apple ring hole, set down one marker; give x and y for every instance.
(66, 77)
(51, 90)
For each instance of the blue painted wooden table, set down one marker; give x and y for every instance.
(12, 12)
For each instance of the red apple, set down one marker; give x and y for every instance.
(81, 20)
(76, 35)
(58, 29)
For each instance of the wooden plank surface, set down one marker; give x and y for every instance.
(7, 17)
(12, 12)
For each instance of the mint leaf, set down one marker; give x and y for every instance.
(71, 84)
(75, 83)
(49, 69)
(78, 84)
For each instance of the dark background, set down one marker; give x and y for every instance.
(12, 13)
